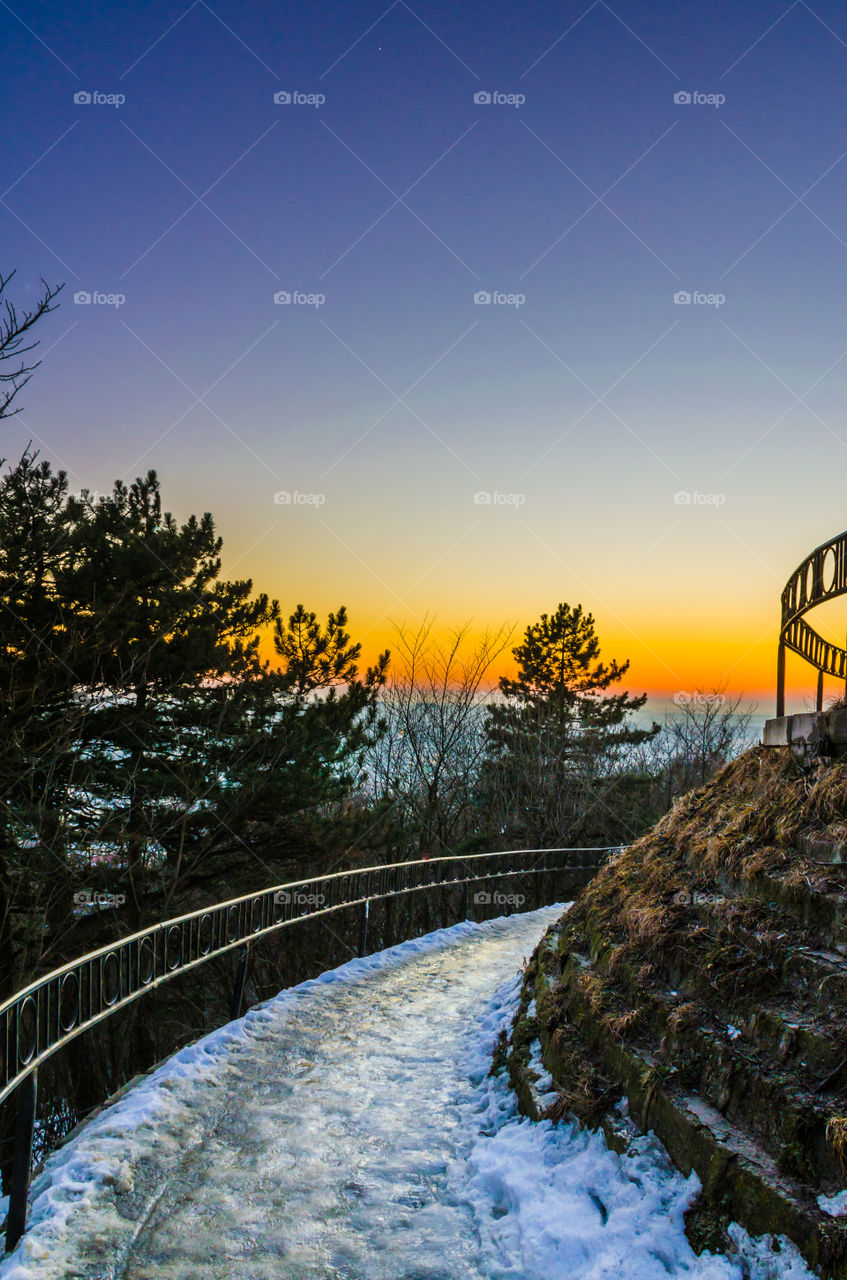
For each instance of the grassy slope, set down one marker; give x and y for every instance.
(711, 955)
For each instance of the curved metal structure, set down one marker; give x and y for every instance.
(820, 577)
(39, 1020)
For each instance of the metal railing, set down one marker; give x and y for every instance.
(820, 577)
(45, 1016)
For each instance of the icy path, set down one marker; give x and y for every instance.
(358, 1137)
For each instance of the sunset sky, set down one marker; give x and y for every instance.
(583, 401)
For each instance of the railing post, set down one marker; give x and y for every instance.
(27, 1093)
(466, 901)
(240, 979)
(819, 698)
(389, 917)
(780, 678)
(363, 928)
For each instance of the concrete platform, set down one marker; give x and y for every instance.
(811, 733)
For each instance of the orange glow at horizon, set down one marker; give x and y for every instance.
(661, 664)
(689, 605)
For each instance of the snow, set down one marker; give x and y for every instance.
(545, 1091)
(835, 1206)
(559, 1200)
(350, 1128)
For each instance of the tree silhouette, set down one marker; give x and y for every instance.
(16, 340)
(558, 741)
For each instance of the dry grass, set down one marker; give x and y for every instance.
(745, 824)
(836, 1136)
(714, 902)
(591, 987)
(625, 1024)
(584, 1091)
(645, 924)
(618, 955)
(666, 904)
(684, 1015)
(668, 900)
(765, 861)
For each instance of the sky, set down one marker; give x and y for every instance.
(452, 311)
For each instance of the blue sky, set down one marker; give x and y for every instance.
(582, 403)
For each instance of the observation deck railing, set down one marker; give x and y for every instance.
(820, 577)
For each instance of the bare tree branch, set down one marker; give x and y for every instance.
(427, 763)
(16, 341)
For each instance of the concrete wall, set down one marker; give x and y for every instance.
(811, 734)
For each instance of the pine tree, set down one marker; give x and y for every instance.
(166, 630)
(314, 658)
(40, 718)
(557, 743)
(142, 735)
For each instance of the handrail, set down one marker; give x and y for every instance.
(820, 577)
(40, 1019)
(43, 1017)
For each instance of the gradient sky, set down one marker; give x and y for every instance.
(591, 405)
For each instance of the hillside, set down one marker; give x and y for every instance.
(702, 977)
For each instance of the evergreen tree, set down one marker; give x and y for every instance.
(316, 722)
(40, 718)
(165, 632)
(142, 736)
(318, 658)
(555, 769)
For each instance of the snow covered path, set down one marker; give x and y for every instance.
(333, 1161)
(348, 1130)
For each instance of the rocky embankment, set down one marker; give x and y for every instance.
(702, 977)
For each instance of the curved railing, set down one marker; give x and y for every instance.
(39, 1020)
(820, 577)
